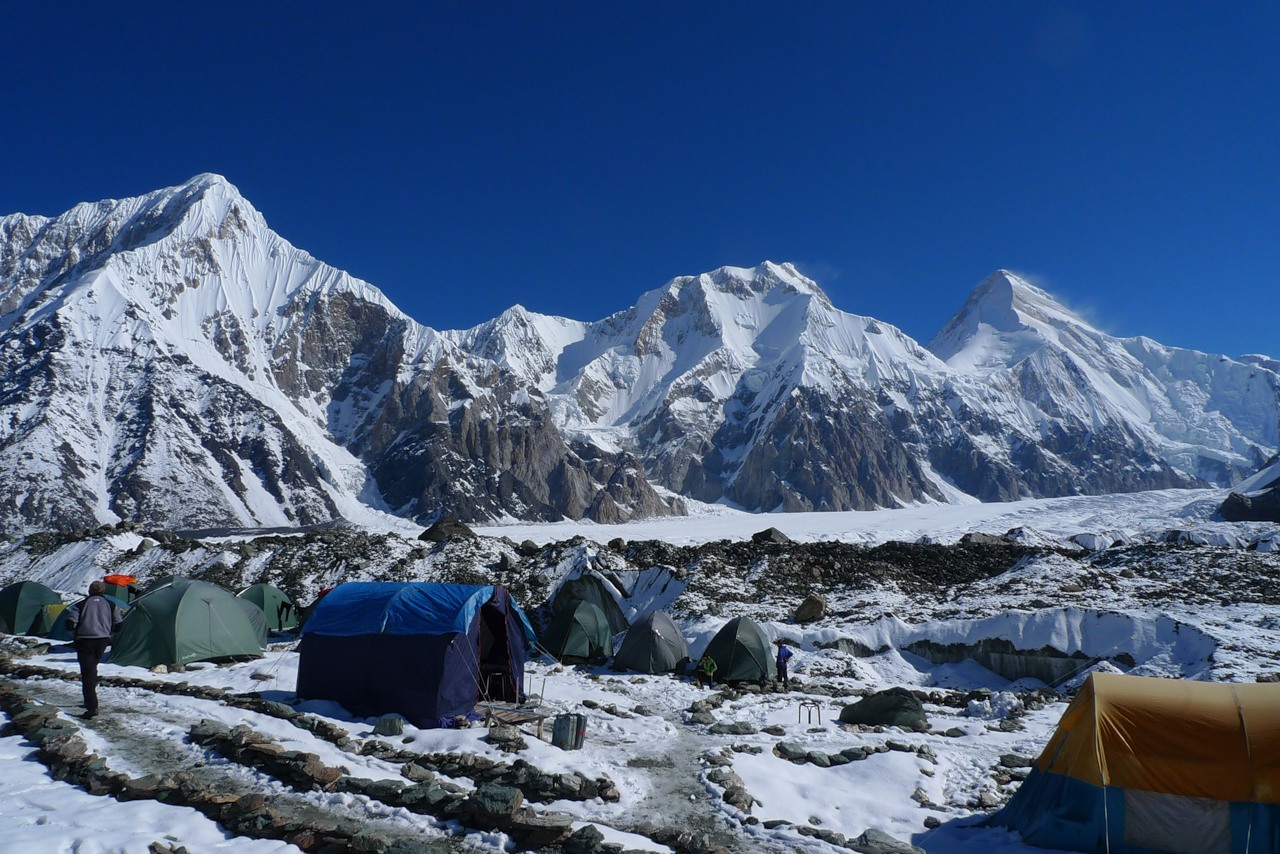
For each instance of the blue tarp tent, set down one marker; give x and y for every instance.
(427, 651)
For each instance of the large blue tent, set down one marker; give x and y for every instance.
(427, 651)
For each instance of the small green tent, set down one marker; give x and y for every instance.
(652, 645)
(184, 621)
(590, 587)
(580, 633)
(741, 652)
(20, 605)
(281, 612)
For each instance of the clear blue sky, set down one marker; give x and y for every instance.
(568, 156)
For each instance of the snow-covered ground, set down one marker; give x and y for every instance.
(1155, 613)
(945, 523)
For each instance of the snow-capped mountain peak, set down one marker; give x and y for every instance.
(1005, 319)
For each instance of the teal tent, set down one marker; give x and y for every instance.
(184, 621)
(653, 645)
(21, 604)
(590, 587)
(281, 612)
(741, 652)
(579, 634)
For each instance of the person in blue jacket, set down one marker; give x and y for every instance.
(784, 656)
(92, 622)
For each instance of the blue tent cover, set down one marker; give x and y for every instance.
(426, 651)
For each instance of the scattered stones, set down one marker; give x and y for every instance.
(774, 729)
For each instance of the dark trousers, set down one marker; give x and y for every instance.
(89, 652)
(782, 674)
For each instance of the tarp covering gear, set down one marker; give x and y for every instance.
(184, 621)
(1140, 765)
(280, 610)
(580, 633)
(742, 652)
(20, 606)
(590, 587)
(652, 645)
(123, 587)
(427, 651)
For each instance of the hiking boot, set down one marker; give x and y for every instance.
(89, 714)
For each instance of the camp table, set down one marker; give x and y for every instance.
(509, 713)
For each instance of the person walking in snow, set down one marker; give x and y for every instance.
(706, 672)
(92, 622)
(784, 656)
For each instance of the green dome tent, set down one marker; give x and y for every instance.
(20, 605)
(52, 622)
(590, 587)
(653, 645)
(741, 652)
(185, 621)
(580, 633)
(279, 609)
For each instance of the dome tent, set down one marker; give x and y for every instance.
(653, 645)
(1140, 764)
(427, 651)
(590, 587)
(741, 652)
(580, 633)
(281, 612)
(184, 621)
(21, 604)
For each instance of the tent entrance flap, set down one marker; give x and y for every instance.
(496, 679)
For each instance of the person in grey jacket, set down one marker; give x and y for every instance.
(92, 622)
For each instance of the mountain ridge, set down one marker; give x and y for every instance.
(174, 338)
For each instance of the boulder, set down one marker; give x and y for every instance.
(879, 842)
(447, 528)
(814, 607)
(893, 707)
(493, 801)
(733, 728)
(389, 725)
(770, 535)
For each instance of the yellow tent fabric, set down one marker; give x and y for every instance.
(1196, 739)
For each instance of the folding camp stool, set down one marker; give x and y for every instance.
(809, 706)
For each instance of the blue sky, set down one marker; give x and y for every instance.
(569, 156)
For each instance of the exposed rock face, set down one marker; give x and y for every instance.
(1257, 499)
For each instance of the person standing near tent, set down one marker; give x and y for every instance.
(92, 622)
(706, 672)
(784, 656)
